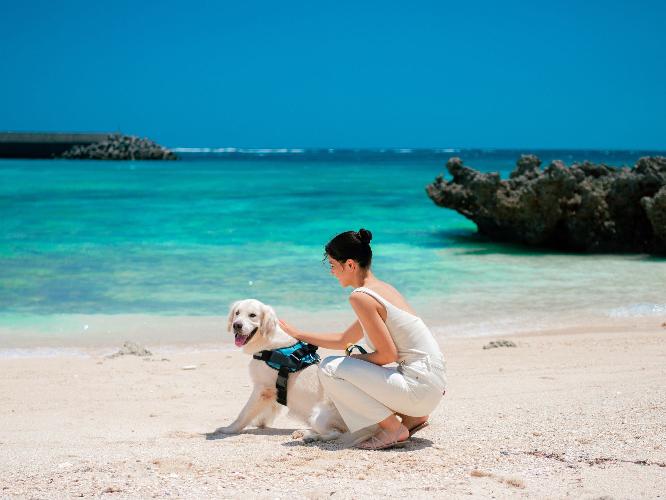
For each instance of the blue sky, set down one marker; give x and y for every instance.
(586, 74)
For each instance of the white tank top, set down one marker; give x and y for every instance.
(412, 338)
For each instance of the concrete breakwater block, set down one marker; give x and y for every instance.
(120, 147)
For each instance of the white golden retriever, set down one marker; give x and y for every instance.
(255, 327)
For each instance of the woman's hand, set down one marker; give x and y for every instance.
(288, 329)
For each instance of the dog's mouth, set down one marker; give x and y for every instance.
(241, 339)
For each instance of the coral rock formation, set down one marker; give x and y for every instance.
(586, 207)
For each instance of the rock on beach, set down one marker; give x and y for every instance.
(585, 207)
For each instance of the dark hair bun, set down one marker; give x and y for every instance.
(353, 245)
(364, 235)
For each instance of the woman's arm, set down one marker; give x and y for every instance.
(327, 340)
(366, 310)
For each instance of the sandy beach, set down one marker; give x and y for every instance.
(576, 412)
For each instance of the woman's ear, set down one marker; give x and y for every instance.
(232, 313)
(269, 320)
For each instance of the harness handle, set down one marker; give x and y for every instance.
(288, 363)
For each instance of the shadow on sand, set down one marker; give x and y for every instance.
(268, 431)
(412, 444)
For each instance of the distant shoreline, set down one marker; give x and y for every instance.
(44, 144)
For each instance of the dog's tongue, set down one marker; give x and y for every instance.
(240, 340)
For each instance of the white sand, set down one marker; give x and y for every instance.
(569, 413)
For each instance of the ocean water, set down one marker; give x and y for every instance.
(187, 238)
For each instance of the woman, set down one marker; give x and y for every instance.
(364, 390)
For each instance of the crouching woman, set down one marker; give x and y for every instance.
(366, 392)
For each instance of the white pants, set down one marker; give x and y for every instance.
(365, 393)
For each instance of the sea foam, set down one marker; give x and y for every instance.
(638, 310)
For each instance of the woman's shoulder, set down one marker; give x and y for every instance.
(386, 290)
(390, 294)
(381, 289)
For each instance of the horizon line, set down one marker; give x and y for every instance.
(298, 149)
(399, 150)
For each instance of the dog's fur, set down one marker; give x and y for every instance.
(255, 327)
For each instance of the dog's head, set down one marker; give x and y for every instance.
(251, 321)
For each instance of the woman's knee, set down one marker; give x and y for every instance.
(329, 365)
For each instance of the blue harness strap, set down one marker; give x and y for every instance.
(288, 360)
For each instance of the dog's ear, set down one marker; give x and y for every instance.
(232, 313)
(269, 320)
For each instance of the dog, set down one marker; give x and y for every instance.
(255, 328)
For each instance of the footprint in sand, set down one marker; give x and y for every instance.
(183, 434)
(169, 465)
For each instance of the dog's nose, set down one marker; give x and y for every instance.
(238, 325)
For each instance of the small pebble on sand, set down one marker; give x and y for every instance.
(499, 343)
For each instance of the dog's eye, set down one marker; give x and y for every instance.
(237, 313)
(252, 315)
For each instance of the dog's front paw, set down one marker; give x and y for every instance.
(227, 430)
(308, 435)
(311, 437)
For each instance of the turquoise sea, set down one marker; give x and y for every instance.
(186, 238)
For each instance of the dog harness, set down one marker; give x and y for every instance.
(288, 360)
